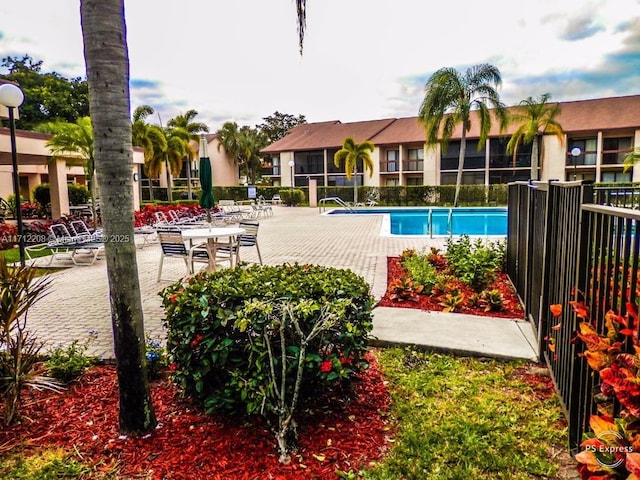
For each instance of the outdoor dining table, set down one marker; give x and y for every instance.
(212, 235)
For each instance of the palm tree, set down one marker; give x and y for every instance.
(350, 154)
(184, 127)
(242, 145)
(74, 138)
(107, 64)
(631, 159)
(449, 100)
(152, 139)
(536, 117)
(103, 25)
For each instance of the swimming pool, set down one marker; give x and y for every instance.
(437, 220)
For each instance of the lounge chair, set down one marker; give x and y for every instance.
(65, 244)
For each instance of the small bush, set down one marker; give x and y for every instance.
(261, 340)
(292, 197)
(475, 263)
(78, 194)
(156, 358)
(67, 364)
(421, 271)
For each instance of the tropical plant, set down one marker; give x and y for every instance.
(475, 263)
(631, 159)
(74, 138)
(189, 131)
(404, 289)
(242, 145)
(610, 449)
(108, 76)
(536, 117)
(350, 155)
(154, 141)
(449, 100)
(20, 365)
(452, 300)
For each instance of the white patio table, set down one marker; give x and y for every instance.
(212, 235)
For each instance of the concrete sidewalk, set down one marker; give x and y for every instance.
(454, 333)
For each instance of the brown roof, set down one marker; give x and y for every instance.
(327, 135)
(613, 113)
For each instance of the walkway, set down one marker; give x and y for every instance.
(79, 301)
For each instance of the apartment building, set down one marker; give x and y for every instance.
(598, 135)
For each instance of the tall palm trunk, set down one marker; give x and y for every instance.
(535, 157)
(355, 185)
(463, 151)
(107, 62)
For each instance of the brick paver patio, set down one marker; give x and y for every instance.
(79, 300)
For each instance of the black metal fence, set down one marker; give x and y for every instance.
(561, 247)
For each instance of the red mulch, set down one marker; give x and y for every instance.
(190, 444)
(511, 309)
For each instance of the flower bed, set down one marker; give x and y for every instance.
(434, 298)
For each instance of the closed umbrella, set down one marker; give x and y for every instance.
(206, 178)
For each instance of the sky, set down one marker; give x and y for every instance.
(238, 60)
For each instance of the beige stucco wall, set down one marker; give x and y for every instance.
(225, 173)
(374, 180)
(431, 165)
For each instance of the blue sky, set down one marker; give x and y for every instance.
(363, 59)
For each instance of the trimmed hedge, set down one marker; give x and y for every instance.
(227, 332)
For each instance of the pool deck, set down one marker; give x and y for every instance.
(79, 300)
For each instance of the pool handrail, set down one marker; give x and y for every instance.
(323, 202)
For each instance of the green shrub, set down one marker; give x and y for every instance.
(156, 357)
(262, 339)
(67, 364)
(475, 263)
(420, 270)
(42, 195)
(292, 197)
(78, 194)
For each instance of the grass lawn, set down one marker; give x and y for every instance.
(462, 418)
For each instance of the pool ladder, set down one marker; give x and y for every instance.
(449, 222)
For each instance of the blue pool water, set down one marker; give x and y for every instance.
(435, 221)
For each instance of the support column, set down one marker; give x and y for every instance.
(58, 185)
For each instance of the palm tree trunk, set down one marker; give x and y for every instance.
(355, 185)
(534, 158)
(106, 57)
(169, 192)
(463, 150)
(189, 177)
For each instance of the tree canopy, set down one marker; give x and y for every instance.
(48, 96)
(276, 126)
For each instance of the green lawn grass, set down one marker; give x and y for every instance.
(462, 418)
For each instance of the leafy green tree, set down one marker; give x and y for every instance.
(536, 118)
(184, 127)
(351, 154)
(74, 138)
(107, 61)
(48, 96)
(154, 141)
(450, 97)
(276, 126)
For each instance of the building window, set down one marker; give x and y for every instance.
(473, 158)
(616, 177)
(507, 176)
(615, 149)
(588, 175)
(415, 162)
(307, 163)
(391, 162)
(414, 181)
(392, 182)
(589, 149)
(468, 178)
(341, 180)
(499, 158)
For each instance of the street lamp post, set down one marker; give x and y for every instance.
(12, 97)
(575, 153)
(291, 165)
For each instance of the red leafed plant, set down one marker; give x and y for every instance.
(403, 289)
(612, 448)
